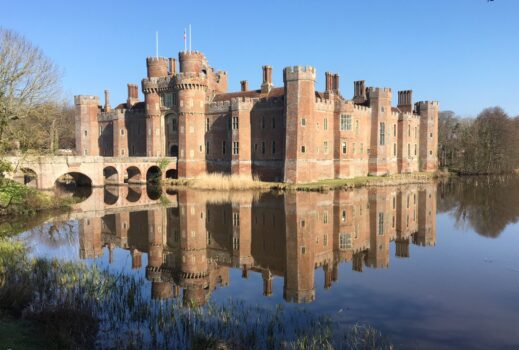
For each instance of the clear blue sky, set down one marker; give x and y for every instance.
(464, 53)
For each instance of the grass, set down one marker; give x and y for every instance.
(21, 334)
(18, 199)
(222, 182)
(75, 306)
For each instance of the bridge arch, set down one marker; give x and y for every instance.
(154, 174)
(74, 178)
(134, 194)
(133, 174)
(172, 174)
(111, 175)
(29, 177)
(111, 195)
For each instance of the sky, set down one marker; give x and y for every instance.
(463, 53)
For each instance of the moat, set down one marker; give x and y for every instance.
(431, 266)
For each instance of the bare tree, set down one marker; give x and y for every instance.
(28, 79)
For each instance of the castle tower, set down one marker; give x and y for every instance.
(428, 112)
(241, 163)
(194, 266)
(191, 85)
(300, 249)
(299, 108)
(382, 139)
(155, 135)
(120, 135)
(90, 238)
(378, 252)
(87, 125)
(426, 235)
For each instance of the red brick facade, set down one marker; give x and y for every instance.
(291, 133)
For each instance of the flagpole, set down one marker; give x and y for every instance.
(157, 44)
(185, 44)
(190, 38)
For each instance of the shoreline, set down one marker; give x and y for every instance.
(219, 182)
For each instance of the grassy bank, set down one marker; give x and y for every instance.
(18, 199)
(220, 182)
(74, 306)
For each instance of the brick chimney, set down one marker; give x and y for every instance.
(107, 101)
(133, 95)
(244, 85)
(266, 86)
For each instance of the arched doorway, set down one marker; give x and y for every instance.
(133, 175)
(173, 151)
(111, 175)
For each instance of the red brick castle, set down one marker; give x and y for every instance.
(291, 133)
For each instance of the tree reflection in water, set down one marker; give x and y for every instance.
(486, 203)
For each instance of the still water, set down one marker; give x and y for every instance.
(431, 266)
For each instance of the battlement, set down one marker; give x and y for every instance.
(299, 73)
(112, 115)
(86, 99)
(155, 60)
(191, 55)
(219, 106)
(324, 104)
(378, 92)
(243, 103)
(361, 108)
(428, 103)
(190, 80)
(150, 85)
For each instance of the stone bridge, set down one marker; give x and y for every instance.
(42, 172)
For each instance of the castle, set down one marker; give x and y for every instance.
(291, 133)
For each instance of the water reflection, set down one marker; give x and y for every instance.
(485, 203)
(193, 241)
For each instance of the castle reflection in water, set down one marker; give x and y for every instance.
(193, 238)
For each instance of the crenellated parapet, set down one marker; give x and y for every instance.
(219, 107)
(190, 80)
(325, 104)
(299, 73)
(424, 105)
(379, 92)
(86, 100)
(243, 103)
(112, 115)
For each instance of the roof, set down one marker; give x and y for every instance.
(274, 92)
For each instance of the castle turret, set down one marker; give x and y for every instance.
(299, 107)
(193, 62)
(241, 163)
(87, 125)
(428, 111)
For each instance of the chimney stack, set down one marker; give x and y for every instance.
(107, 101)
(359, 94)
(336, 83)
(244, 85)
(133, 95)
(405, 101)
(328, 82)
(266, 86)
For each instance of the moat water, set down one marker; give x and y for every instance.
(431, 266)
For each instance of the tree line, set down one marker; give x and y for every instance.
(488, 144)
(33, 114)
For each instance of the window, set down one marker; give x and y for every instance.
(325, 146)
(174, 124)
(303, 149)
(344, 241)
(122, 131)
(382, 134)
(344, 147)
(207, 124)
(234, 123)
(356, 126)
(408, 150)
(325, 240)
(430, 135)
(325, 124)
(394, 202)
(409, 130)
(207, 147)
(361, 149)
(380, 223)
(168, 100)
(273, 147)
(415, 149)
(86, 133)
(263, 147)
(303, 122)
(345, 122)
(235, 243)
(343, 218)
(415, 132)
(325, 217)
(236, 219)
(235, 148)
(394, 149)
(394, 130)
(223, 147)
